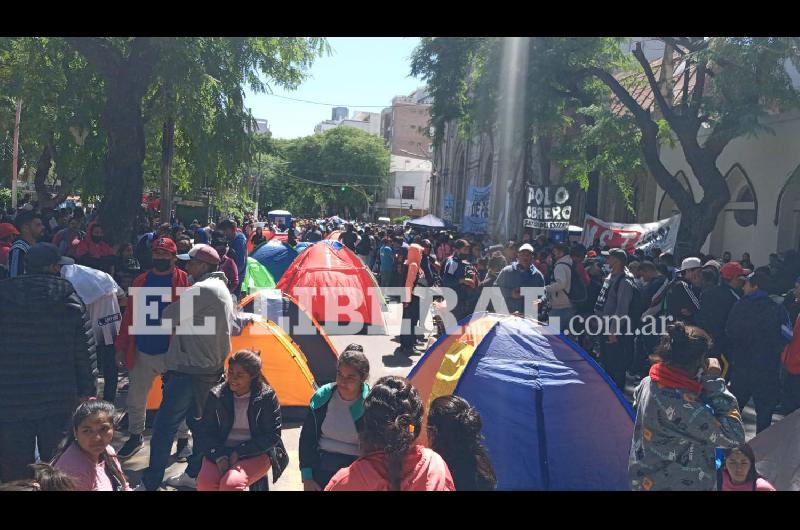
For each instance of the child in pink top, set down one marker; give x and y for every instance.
(86, 454)
(740, 471)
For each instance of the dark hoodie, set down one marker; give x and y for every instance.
(47, 351)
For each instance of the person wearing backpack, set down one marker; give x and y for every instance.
(618, 298)
(559, 291)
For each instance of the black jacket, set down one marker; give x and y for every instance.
(715, 306)
(754, 331)
(47, 348)
(263, 415)
(682, 295)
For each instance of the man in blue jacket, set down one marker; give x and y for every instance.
(238, 245)
(521, 273)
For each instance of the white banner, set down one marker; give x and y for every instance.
(662, 234)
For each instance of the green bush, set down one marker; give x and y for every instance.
(402, 219)
(5, 197)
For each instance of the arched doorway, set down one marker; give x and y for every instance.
(667, 207)
(787, 213)
(735, 228)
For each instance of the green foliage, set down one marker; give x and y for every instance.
(306, 174)
(61, 101)
(5, 197)
(566, 99)
(618, 158)
(400, 220)
(199, 82)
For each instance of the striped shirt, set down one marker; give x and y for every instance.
(16, 258)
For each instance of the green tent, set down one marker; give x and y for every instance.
(256, 276)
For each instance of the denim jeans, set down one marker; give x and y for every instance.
(176, 406)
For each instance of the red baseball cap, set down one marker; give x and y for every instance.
(591, 254)
(733, 269)
(7, 229)
(165, 243)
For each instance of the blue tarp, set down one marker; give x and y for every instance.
(276, 256)
(552, 419)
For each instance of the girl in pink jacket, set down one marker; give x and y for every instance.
(86, 454)
(392, 461)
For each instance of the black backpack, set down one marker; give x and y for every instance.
(577, 291)
(637, 306)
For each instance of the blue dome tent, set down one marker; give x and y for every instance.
(552, 419)
(275, 256)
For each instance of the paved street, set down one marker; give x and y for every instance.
(380, 350)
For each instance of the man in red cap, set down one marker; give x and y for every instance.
(145, 353)
(716, 304)
(7, 234)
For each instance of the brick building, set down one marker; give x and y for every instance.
(405, 125)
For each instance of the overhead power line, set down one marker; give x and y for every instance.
(352, 106)
(337, 184)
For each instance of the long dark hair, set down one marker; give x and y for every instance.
(392, 420)
(456, 429)
(250, 361)
(746, 450)
(84, 410)
(353, 356)
(42, 477)
(683, 346)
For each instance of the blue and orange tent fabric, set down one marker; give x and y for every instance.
(552, 418)
(275, 256)
(324, 266)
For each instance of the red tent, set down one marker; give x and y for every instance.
(322, 266)
(334, 235)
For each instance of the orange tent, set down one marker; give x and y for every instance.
(323, 271)
(283, 364)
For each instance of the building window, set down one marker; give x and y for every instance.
(747, 217)
(408, 192)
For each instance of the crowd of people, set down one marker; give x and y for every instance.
(727, 338)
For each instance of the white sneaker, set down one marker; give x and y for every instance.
(182, 481)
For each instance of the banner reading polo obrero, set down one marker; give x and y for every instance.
(476, 212)
(662, 234)
(549, 207)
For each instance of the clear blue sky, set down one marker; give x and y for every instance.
(360, 71)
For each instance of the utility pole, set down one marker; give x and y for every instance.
(14, 157)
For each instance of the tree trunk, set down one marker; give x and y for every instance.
(126, 80)
(123, 166)
(167, 154)
(42, 170)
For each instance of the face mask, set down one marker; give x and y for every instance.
(606, 269)
(162, 265)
